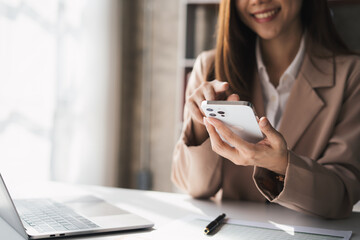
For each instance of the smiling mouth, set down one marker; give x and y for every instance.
(266, 15)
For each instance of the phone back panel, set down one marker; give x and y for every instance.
(239, 116)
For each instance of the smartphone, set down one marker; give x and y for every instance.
(239, 116)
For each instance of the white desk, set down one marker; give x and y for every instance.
(162, 208)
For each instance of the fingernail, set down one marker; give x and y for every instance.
(206, 121)
(263, 122)
(224, 83)
(209, 120)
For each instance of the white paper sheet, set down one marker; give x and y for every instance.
(192, 227)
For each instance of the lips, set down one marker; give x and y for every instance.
(265, 16)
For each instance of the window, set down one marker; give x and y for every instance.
(54, 86)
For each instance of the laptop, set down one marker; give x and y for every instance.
(47, 218)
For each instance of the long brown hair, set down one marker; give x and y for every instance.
(235, 60)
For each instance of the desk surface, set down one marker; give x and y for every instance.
(161, 208)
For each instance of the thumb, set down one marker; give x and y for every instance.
(269, 130)
(233, 97)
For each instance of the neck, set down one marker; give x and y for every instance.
(278, 53)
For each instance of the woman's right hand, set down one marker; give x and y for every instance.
(214, 90)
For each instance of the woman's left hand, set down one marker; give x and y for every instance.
(270, 153)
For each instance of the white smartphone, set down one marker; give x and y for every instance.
(239, 116)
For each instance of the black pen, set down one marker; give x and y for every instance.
(214, 224)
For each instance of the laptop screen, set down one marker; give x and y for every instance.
(8, 211)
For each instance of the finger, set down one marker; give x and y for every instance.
(229, 135)
(217, 144)
(271, 134)
(214, 90)
(233, 97)
(195, 111)
(197, 99)
(219, 86)
(209, 92)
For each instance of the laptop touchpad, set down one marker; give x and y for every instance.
(91, 206)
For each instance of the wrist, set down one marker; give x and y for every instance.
(280, 165)
(284, 165)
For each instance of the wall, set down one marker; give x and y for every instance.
(150, 54)
(165, 57)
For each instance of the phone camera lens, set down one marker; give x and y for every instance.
(222, 115)
(221, 112)
(212, 114)
(209, 109)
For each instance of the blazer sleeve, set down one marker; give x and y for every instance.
(196, 169)
(328, 186)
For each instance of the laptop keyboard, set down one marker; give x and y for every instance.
(45, 215)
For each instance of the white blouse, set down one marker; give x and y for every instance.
(275, 98)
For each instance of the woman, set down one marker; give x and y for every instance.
(287, 59)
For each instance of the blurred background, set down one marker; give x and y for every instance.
(92, 91)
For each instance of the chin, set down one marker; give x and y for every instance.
(267, 35)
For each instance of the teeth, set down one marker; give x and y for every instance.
(265, 15)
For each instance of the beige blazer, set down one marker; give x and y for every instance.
(321, 125)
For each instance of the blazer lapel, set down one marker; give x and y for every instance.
(304, 103)
(257, 98)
